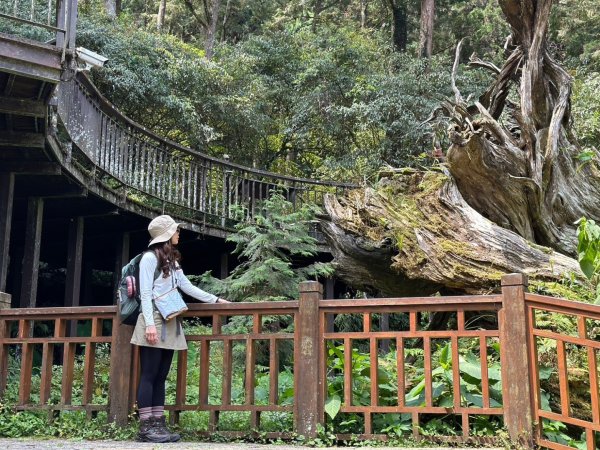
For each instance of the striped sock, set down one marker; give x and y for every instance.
(145, 413)
(158, 411)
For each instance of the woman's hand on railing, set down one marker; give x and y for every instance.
(222, 300)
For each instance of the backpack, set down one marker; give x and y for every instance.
(128, 290)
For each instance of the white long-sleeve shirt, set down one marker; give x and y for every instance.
(151, 288)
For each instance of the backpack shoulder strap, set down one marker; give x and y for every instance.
(157, 270)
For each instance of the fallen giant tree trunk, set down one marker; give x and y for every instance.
(415, 234)
(514, 164)
(518, 164)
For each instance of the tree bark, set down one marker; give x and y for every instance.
(416, 235)
(111, 8)
(363, 13)
(517, 163)
(426, 30)
(162, 8)
(399, 24)
(212, 28)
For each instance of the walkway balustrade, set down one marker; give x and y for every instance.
(166, 175)
(255, 360)
(56, 17)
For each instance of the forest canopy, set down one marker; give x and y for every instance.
(312, 88)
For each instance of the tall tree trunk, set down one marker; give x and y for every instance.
(363, 13)
(162, 8)
(111, 8)
(225, 19)
(399, 24)
(426, 30)
(212, 28)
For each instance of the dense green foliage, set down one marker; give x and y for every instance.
(271, 247)
(588, 251)
(308, 87)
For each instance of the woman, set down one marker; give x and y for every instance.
(158, 339)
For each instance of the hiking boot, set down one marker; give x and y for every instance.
(149, 432)
(161, 424)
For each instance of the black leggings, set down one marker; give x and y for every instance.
(155, 364)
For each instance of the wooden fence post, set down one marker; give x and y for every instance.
(4, 304)
(308, 382)
(7, 190)
(120, 372)
(516, 374)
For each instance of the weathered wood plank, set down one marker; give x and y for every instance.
(7, 187)
(22, 140)
(310, 404)
(516, 367)
(22, 107)
(28, 58)
(31, 258)
(120, 373)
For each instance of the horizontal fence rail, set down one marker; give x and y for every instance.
(574, 366)
(369, 367)
(205, 188)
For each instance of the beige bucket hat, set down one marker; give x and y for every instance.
(162, 229)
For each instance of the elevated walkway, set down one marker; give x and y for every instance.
(79, 180)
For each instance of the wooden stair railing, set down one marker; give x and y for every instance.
(200, 187)
(58, 18)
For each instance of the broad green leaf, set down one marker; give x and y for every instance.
(333, 405)
(545, 372)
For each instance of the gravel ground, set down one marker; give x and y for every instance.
(55, 444)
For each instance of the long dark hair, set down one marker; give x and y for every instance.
(167, 256)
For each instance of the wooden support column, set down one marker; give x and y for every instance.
(7, 188)
(224, 265)
(121, 352)
(122, 258)
(74, 262)
(329, 295)
(66, 11)
(60, 21)
(31, 258)
(309, 405)
(4, 304)
(74, 257)
(514, 355)
(120, 372)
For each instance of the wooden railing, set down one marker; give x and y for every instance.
(237, 365)
(56, 16)
(575, 366)
(199, 187)
(68, 335)
(455, 402)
